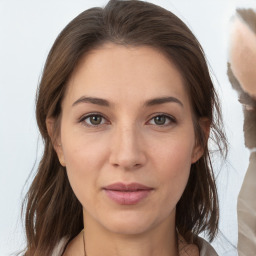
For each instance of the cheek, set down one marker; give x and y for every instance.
(82, 150)
(174, 163)
(176, 173)
(84, 157)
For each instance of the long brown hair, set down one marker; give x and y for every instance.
(52, 210)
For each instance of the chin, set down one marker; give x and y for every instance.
(129, 223)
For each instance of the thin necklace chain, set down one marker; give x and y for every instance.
(84, 244)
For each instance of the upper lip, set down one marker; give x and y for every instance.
(127, 187)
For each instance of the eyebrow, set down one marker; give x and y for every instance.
(162, 100)
(96, 101)
(103, 102)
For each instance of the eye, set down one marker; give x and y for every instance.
(93, 120)
(162, 120)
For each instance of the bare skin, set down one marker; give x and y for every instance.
(126, 117)
(75, 247)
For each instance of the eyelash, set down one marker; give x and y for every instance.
(171, 120)
(83, 119)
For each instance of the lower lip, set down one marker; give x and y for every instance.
(127, 197)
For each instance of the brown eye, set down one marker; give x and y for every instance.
(95, 120)
(162, 120)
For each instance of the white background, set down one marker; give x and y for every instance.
(28, 28)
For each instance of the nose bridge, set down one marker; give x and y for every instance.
(127, 151)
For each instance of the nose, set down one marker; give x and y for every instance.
(127, 149)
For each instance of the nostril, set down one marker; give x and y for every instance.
(127, 167)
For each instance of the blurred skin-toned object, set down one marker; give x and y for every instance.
(242, 75)
(243, 52)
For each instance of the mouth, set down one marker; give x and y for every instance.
(127, 194)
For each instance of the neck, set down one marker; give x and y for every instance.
(160, 240)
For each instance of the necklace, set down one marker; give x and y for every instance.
(84, 244)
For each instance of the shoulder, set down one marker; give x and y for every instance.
(199, 247)
(67, 247)
(204, 247)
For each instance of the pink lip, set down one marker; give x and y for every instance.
(127, 194)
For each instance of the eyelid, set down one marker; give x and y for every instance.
(84, 117)
(171, 118)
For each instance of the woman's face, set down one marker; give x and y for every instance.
(127, 138)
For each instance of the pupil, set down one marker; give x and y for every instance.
(95, 120)
(160, 120)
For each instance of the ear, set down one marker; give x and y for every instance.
(198, 150)
(56, 141)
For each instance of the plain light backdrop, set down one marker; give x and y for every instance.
(28, 29)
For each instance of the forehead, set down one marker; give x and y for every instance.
(126, 72)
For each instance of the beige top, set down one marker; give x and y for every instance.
(200, 248)
(246, 211)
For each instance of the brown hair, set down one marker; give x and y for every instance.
(52, 210)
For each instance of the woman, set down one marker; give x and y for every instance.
(125, 106)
